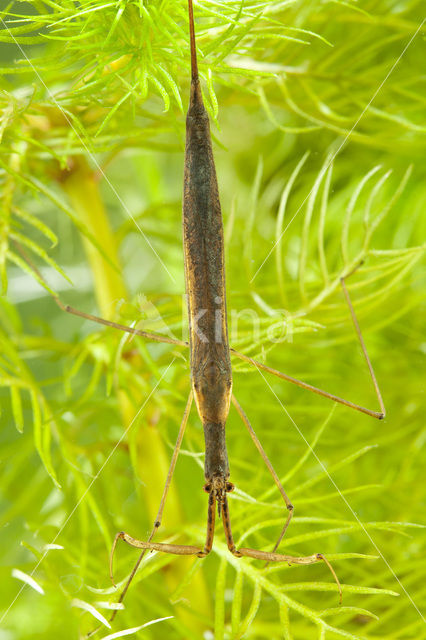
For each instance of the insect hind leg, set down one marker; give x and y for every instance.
(361, 339)
(379, 415)
(156, 337)
(148, 335)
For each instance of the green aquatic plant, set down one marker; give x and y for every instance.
(315, 179)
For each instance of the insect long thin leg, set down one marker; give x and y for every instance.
(158, 519)
(156, 337)
(148, 335)
(361, 341)
(304, 385)
(271, 557)
(270, 469)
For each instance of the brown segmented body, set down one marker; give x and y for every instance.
(211, 375)
(205, 286)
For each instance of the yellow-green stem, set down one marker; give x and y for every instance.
(83, 191)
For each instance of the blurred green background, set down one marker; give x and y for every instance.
(93, 98)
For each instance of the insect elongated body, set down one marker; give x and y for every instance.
(211, 373)
(205, 288)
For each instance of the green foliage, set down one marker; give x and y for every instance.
(313, 184)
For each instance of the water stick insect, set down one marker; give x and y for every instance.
(210, 353)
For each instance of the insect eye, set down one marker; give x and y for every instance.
(229, 486)
(207, 487)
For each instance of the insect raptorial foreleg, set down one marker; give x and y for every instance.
(159, 517)
(267, 556)
(211, 517)
(176, 549)
(270, 469)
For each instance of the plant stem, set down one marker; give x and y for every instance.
(83, 191)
